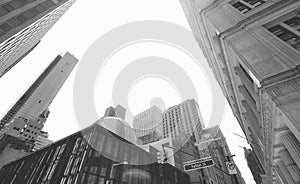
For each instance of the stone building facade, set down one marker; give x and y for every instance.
(253, 48)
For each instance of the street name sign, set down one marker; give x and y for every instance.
(198, 164)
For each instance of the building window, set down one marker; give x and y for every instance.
(287, 29)
(245, 6)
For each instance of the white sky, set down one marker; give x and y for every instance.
(85, 22)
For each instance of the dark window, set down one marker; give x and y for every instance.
(246, 73)
(3, 11)
(14, 22)
(16, 4)
(40, 8)
(241, 7)
(285, 35)
(28, 14)
(254, 3)
(293, 22)
(6, 27)
(16, 128)
(2, 33)
(8, 7)
(22, 18)
(34, 11)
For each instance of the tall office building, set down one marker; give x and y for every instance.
(253, 48)
(22, 24)
(27, 116)
(148, 125)
(184, 118)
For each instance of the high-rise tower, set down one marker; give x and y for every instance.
(28, 115)
(183, 118)
(22, 24)
(253, 48)
(148, 125)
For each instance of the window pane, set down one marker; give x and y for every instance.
(293, 22)
(3, 11)
(28, 14)
(8, 7)
(15, 4)
(40, 8)
(241, 7)
(5, 27)
(255, 3)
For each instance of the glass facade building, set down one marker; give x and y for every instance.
(93, 155)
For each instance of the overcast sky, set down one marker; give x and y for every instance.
(86, 21)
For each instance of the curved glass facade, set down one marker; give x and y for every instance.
(119, 127)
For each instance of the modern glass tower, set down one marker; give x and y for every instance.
(22, 24)
(27, 116)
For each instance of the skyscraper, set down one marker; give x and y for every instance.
(22, 24)
(253, 48)
(148, 125)
(27, 116)
(183, 118)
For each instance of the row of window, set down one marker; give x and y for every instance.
(27, 15)
(288, 31)
(245, 6)
(13, 5)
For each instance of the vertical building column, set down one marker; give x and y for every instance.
(292, 145)
(290, 165)
(283, 172)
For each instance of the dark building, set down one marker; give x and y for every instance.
(93, 155)
(253, 165)
(214, 145)
(22, 25)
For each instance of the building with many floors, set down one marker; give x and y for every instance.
(30, 112)
(148, 125)
(253, 49)
(183, 118)
(26, 118)
(22, 25)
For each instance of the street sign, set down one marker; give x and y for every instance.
(198, 164)
(231, 168)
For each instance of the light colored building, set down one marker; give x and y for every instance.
(253, 48)
(33, 104)
(41, 141)
(148, 124)
(22, 24)
(182, 118)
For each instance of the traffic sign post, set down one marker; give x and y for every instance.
(231, 167)
(198, 164)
